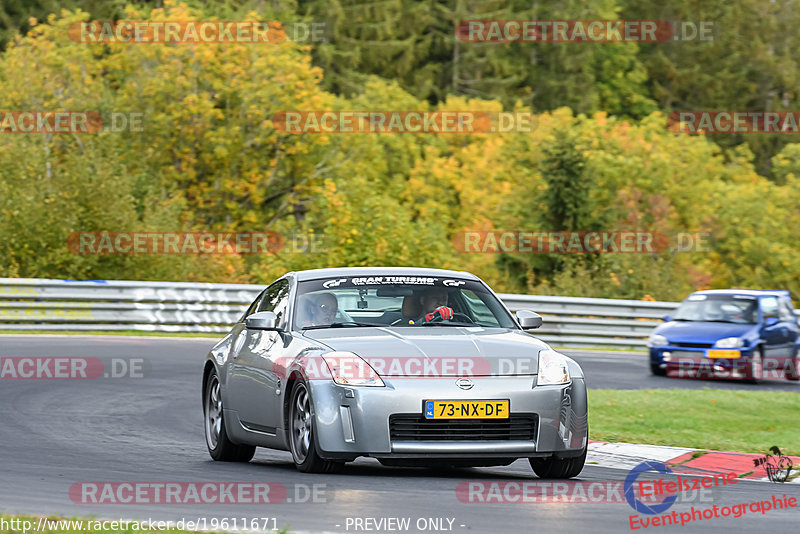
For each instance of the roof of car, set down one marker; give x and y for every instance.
(315, 274)
(749, 292)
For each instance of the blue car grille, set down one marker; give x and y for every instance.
(414, 427)
(693, 345)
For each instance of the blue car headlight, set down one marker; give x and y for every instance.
(657, 340)
(729, 343)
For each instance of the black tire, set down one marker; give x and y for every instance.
(657, 370)
(553, 467)
(793, 370)
(220, 447)
(302, 433)
(756, 368)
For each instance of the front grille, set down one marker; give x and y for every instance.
(693, 345)
(414, 427)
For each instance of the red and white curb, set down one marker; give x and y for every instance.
(683, 460)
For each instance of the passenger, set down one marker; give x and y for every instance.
(317, 310)
(327, 306)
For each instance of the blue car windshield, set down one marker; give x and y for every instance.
(741, 309)
(395, 301)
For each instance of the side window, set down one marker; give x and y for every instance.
(276, 299)
(478, 309)
(786, 312)
(769, 307)
(252, 308)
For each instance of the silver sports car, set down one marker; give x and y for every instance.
(410, 366)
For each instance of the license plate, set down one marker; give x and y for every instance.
(723, 354)
(494, 409)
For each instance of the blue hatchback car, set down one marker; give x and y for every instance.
(728, 333)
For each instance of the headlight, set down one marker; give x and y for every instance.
(348, 369)
(657, 340)
(553, 368)
(729, 343)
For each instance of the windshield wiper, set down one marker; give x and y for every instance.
(339, 325)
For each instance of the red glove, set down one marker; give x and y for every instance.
(442, 311)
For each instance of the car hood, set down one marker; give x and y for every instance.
(438, 351)
(701, 331)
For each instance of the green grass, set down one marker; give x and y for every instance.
(88, 525)
(213, 335)
(742, 421)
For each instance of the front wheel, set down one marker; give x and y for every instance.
(553, 467)
(792, 371)
(657, 370)
(756, 371)
(301, 429)
(220, 447)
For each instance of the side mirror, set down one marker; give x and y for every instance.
(529, 320)
(667, 318)
(770, 321)
(266, 320)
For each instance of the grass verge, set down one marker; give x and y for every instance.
(726, 420)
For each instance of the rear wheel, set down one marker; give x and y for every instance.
(220, 447)
(553, 467)
(301, 429)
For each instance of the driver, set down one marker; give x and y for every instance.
(433, 305)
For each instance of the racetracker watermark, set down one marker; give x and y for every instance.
(202, 493)
(68, 122)
(572, 491)
(395, 122)
(684, 364)
(583, 31)
(100, 243)
(352, 367)
(568, 242)
(736, 122)
(196, 31)
(142, 526)
(71, 368)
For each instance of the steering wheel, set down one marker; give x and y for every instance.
(464, 318)
(458, 317)
(461, 317)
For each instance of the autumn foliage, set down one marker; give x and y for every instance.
(208, 157)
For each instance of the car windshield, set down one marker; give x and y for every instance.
(718, 308)
(397, 301)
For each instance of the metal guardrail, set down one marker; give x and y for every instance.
(59, 305)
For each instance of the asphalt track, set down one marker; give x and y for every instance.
(55, 433)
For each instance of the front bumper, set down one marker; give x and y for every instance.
(689, 362)
(354, 421)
